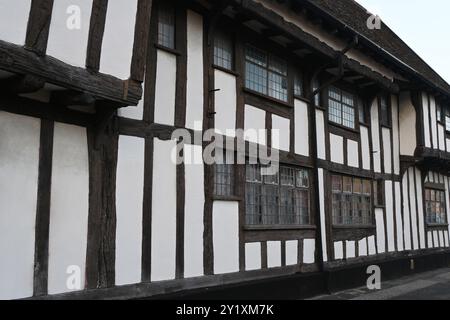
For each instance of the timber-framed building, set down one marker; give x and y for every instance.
(88, 188)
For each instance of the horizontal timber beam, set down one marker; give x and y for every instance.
(16, 59)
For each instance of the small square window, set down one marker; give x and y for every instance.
(166, 25)
(223, 51)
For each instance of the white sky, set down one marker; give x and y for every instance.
(423, 24)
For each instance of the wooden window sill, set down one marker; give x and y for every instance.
(231, 72)
(166, 49)
(268, 98)
(279, 227)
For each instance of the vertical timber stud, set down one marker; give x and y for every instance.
(100, 258)
(96, 30)
(39, 26)
(141, 38)
(43, 209)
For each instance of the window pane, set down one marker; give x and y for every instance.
(277, 86)
(256, 56)
(347, 184)
(278, 65)
(361, 111)
(316, 85)
(335, 111)
(166, 26)
(447, 123)
(224, 180)
(348, 116)
(253, 173)
(298, 84)
(271, 179)
(301, 200)
(336, 183)
(302, 178)
(253, 211)
(255, 77)
(270, 204)
(287, 176)
(223, 51)
(384, 111)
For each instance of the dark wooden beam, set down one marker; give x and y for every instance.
(141, 38)
(22, 84)
(96, 31)
(71, 98)
(16, 59)
(39, 26)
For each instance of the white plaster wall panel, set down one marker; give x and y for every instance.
(420, 213)
(365, 148)
(389, 215)
(67, 41)
(133, 112)
(225, 103)
(352, 153)
(441, 238)
(448, 144)
(351, 252)
(430, 239)
(362, 244)
(226, 236)
(254, 123)
(320, 129)
(434, 134)
(398, 215)
(291, 252)
(395, 134)
(301, 128)
(118, 39)
(14, 20)
(68, 206)
(372, 249)
(387, 156)
(413, 212)
(281, 140)
(337, 148)
(406, 213)
(165, 87)
(163, 211)
(379, 219)
(322, 214)
(426, 122)
(309, 249)
(252, 256)
(193, 215)
(446, 239)
(194, 85)
(338, 250)
(19, 166)
(129, 201)
(407, 115)
(375, 137)
(273, 254)
(441, 133)
(436, 239)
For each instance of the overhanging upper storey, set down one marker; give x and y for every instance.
(75, 52)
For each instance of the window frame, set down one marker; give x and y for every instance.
(269, 54)
(231, 37)
(159, 7)
(355, 107)
(385, 122)
(441, 191)
(279, 186)
(226, 154)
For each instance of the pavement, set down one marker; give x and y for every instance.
(431, 285)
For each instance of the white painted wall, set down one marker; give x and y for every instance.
(395, 134)
(338, 250)
(69, 205)
(406, 214)
(133, 112)
(426, 122)
(252, 256)
(165, 87)
(389, 215)
(163, 211)
(19, 165)
(413, 211)
(193, 215)
(362, 247)
(254, 122)
(66, 41)
(337, 148)
(379, 219)
(225, 103)
(398, 216)
(365, 147)
(433, 122)
(280, 133)
(352, 153)
(375, 137)
(447, 200)
(129, 201)
(372, 246)
(320, 133)
(118, 39)
(194, 86)
(273, 254)
(309, 249)
(407, 119)
(14, 20)
(441, 135)
(351, 250)
(387, 156)
(420, 213)
(291, 252)
(226, 236)
(301, 128)
(322, 214)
